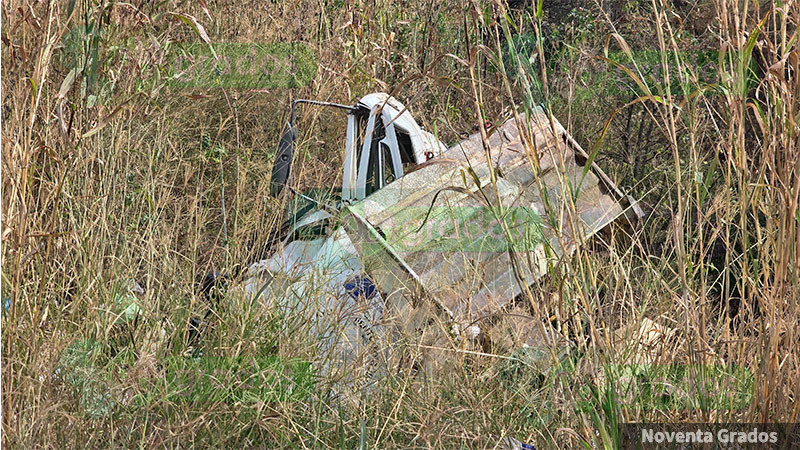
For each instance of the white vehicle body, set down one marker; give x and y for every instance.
(435, 274)
(311, 274)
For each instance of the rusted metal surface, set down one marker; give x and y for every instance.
(444, 233)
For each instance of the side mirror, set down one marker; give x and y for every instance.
(283, 159)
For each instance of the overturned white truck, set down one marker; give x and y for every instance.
(422, 237)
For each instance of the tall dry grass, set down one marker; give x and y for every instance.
(122, 187)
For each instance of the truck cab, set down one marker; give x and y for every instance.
(383, 143)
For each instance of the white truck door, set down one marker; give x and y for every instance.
(366, 150)
(380, 162)
(391, 142)
(349, 179)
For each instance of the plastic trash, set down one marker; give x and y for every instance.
(509, 443)
(125, 305)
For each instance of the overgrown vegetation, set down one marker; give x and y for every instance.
(111, 173)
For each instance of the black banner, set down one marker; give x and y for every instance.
(709, 435)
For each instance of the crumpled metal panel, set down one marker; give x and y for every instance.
(444, 233)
